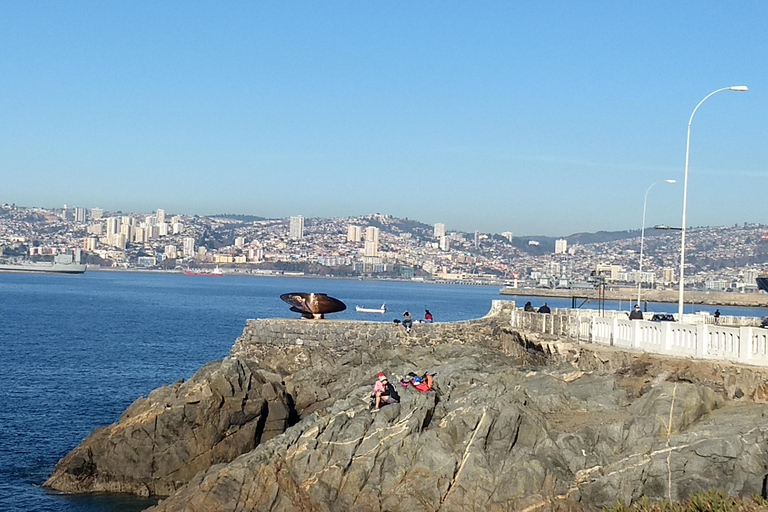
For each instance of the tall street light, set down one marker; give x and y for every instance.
(680, 302)
(642, 236)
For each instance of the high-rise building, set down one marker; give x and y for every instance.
(160, 215)
(95, 229)
(113, 226)
(189, 247)
(177, 227)
(239, 241)
(97, 213)
(90, 243)
(507, 235)
(439, 230)
(296, 230)
(170, 252)
(354, 233)
(477, 239)
(79, 214)
(561, 246)
(371, 241)
(445, 243)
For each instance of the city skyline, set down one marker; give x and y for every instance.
(541, 119)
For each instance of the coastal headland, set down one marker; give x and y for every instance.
(750, 300)
(516, 422)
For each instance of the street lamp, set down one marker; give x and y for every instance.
(642, 236)
(680, 302)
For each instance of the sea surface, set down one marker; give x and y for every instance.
(76, 351)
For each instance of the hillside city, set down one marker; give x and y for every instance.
(384, 247)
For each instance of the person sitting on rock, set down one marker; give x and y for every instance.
(407, 321)
(428, 316)
(544, 309)
(383, 393)
(529, 307)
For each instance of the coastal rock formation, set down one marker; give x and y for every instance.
(496, 436)
(283, 424)
(162, 441)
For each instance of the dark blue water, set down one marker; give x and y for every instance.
(75, 351)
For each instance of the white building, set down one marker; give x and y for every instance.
(296, 229)
(445, 243)
(439, 230)
(561, 246)
(371, 241)
(160, 215)
(189, 247)
(507, 235)
(97, 213)
(354, 233)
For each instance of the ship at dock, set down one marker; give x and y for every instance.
(61, 264)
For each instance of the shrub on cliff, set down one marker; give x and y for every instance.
(710, 501)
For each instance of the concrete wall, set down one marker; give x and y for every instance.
(260, 338)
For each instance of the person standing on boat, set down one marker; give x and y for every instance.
(407, 321)
(428, 316)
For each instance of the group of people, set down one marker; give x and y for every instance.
(384, 393)
(407, 320)
(543, 309)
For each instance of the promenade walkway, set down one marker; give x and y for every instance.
(735, 339)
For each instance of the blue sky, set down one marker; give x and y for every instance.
(533, 117)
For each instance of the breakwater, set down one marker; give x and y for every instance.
(260, 338)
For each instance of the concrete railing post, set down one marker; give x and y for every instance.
(702, 340)
(745, 344)
(637, 334)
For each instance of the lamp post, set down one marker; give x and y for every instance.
(680, 302)
(642, 236)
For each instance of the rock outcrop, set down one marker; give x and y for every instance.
(162, 441)
(497, 436)
(512, 425)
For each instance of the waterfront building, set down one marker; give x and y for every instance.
(669, 275)
(354, 233)
(561, 246)
(439, 230)
(170, 252)
(296, 229)
(188, 247)
(371, 241)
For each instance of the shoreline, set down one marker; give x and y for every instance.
(746, 300)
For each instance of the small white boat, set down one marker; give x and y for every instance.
(382, 309)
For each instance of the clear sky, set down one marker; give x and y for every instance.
(534, 117)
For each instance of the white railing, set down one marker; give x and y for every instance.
(703, 340)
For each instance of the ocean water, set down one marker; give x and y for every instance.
(75, 351)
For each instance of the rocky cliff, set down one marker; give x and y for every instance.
(283, 424)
